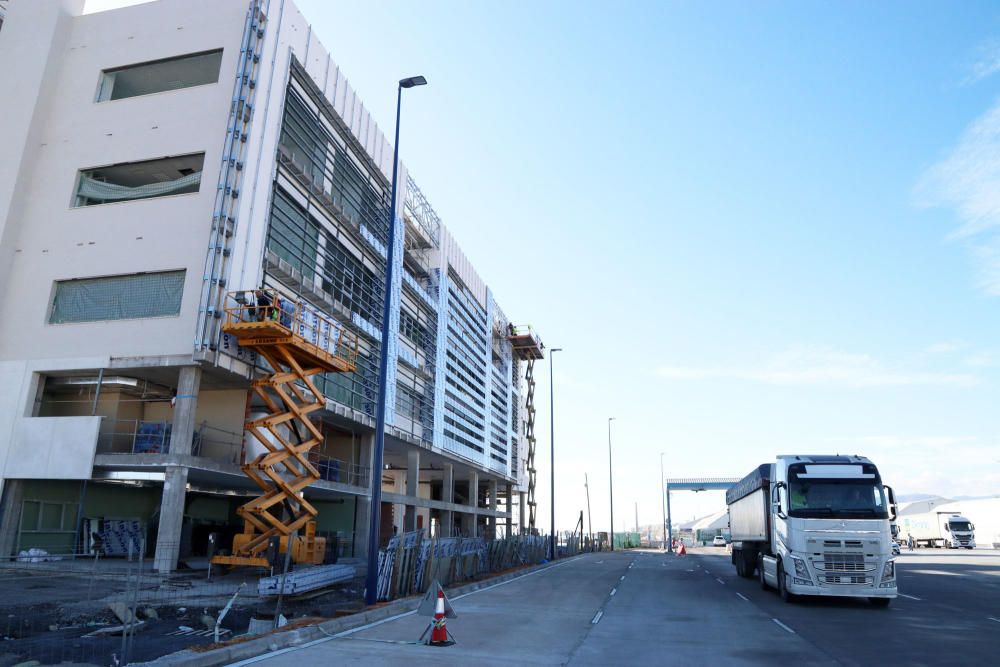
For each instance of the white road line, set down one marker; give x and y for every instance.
(613, 591)
(623, 578)
(783, 626)
(720, 581)
(993, 619)
(597, 617)
(745, 598)
(911, 597)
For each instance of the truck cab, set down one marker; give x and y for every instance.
(826, 529)
(958, 531)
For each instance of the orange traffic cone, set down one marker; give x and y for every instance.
(682, 551)
(439, 633)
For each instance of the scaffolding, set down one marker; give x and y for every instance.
(527, 346)
(298, 343)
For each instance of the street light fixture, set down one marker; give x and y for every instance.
(663, 503)
(371, 579)
(552, 456)
(611, 485)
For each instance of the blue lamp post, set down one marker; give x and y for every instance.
(371, 580)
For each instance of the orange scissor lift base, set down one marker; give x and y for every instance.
(297, 344)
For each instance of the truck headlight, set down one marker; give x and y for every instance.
(890, 570)
(800, 568)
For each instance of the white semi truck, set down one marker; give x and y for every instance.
(939, 529)
(815, 525)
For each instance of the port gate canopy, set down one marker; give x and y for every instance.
(701, 484)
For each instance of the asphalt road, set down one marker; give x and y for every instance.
(948, 612)
(636, 607)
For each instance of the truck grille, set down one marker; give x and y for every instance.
(843, 563)
(847, 579)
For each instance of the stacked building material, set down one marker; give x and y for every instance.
(306, 579)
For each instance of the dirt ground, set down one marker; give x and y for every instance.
(46, 609)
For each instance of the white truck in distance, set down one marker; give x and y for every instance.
(815, 525)
(940, 529)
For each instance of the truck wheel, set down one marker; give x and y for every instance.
(741, 566)
(782, 587)
(882, 603)
(748, 568)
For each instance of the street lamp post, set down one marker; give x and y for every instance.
(611, 485)
(552, 455)
(371, 579)
(663, 503)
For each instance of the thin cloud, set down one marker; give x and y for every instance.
(820, 366)
(968, 180)
(945, 347)
(986, 65)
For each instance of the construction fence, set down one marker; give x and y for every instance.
(97, 610)
(412, 561)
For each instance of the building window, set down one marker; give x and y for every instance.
(125, 297)
(194, 69)
(129, 181)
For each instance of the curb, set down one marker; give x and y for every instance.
(304, 635)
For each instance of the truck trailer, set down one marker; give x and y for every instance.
(940, 529)
(815, 525)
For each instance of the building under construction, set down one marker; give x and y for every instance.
(194, 212)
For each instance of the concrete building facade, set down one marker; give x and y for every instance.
(157, 158)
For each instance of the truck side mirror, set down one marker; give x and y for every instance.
(892, 501)
(776, 501)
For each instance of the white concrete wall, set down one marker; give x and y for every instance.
(56, 241)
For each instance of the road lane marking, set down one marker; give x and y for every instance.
(911, 597)
(783, 626)
(993, 619)
(623, 578)
(613, 591)
(720, 581)
(597, 617)
(745, 598)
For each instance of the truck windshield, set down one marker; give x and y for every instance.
(960, 525)
(836, 498)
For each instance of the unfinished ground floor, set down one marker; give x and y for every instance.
(147, 453)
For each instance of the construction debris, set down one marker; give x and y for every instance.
(306, 579)
(117, 629)
(122, 611)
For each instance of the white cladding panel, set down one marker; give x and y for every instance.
(53, 448)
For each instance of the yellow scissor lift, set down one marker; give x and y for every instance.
(298, 343)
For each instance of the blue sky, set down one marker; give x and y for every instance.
(755, 228)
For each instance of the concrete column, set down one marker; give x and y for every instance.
(510, 509)
(168, 537)
(412, 487)
(473, 518)
(363, 506)
(13, 495)
(522, 521)
(493, 503)
(448, 496)
(185, 406)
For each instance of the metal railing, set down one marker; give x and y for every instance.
(137, 436)
(300, 320)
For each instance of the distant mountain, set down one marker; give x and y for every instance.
(915, 497)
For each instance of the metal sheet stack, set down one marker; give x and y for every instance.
(306, 579)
